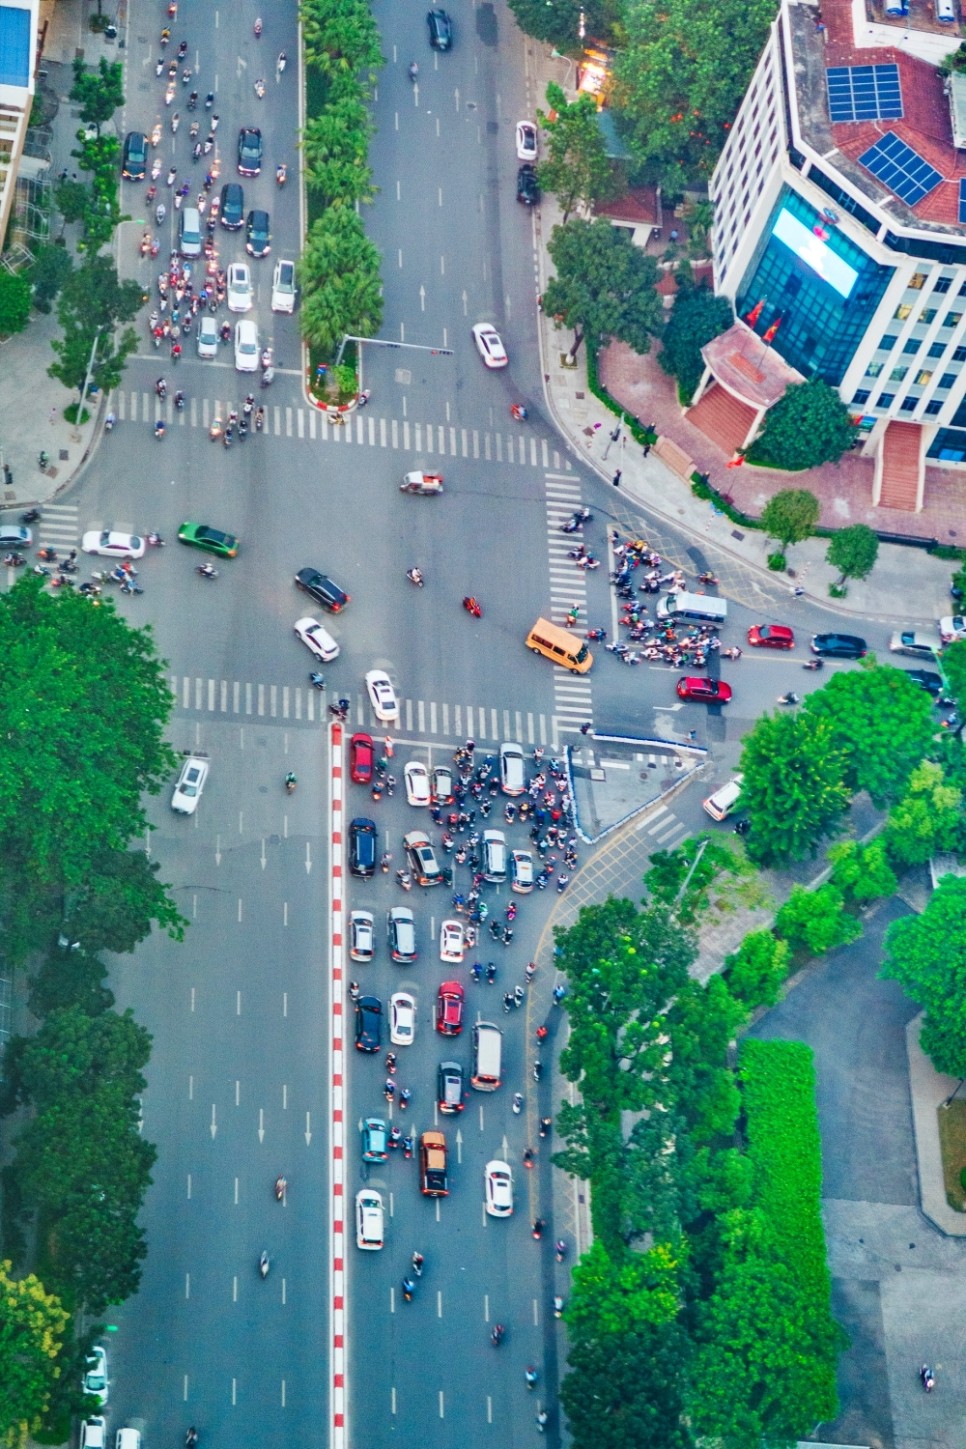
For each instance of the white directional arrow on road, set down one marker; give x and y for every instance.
(261, 1124)
(213, 1129)
(264, 854)
(308, 858)
(308, 1128)
(459, 1146)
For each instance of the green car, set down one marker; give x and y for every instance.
(199, 535)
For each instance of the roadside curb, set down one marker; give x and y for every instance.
(338, 1375)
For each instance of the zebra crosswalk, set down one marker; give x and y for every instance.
(363, 428)
(568, 590)
(421, 718)
(58, 526)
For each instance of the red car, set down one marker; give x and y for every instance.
(708, 691)
(449, 1009)
(362, 755)
(771, 636)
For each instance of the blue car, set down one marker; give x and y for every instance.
(374, 1140)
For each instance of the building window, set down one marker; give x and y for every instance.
(887, 343)
(908, 405)
(873, 369)
(897, 374)
(952, 319)
(862, 396)
(912, 346)
(927, 315)
(886, 400)
(917, 282)
(947, 380)
(942, 285)
(933, 408)
(936, 350)
(923, 377)
(959, 354)
(903, 311)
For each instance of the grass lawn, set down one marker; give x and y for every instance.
(952, 1140)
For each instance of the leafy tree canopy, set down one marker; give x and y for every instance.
(33, 1325)
(625, 1392)
(698, 316)
(340, 37)
(604, 287)
(83, 714)
(99, 92)
(809, 426)
(342, 289)
(679, 79)
(558, 22)
(853, 551)
(881, 721)
(816, 919)
(14, 302)
(928, 819)
(576, 168)
(954, 669)
(790, 515)
(794, 788)
(926, 954)
(92, 304)
(50, 271)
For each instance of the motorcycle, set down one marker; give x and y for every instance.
(316, 680)
(260, 88)
(530, 1377)
(415, 576)
(257, 27)
(596, 634)
(497, 1334)
(264, 1263)
(472, 607)
(558, 1306)
(205, 571)
(542, 1418)
(290, 783)
(280, 174)
(518, 1102)
(413, 71)
(790, 698)
(927, 1378)
(281, 1187)
(417, 1261)
(32, 515)
(408, 1290)
(814, 664)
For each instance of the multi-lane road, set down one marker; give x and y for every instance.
(238, 1075)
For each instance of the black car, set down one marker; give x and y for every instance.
(927, 680)
(839, 646)
(362, 847)
(249, 151)
(135, 159)
(322, 590)
(449, 1087)
(368, 1023)
(440, 30)
(528, 188)
(258, 234)
(232, 206)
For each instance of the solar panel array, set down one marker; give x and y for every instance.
(864, 93)
(900, 168)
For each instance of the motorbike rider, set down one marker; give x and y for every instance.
(415, 576)
(408, 1289)
(280, 1188)
(290, 782)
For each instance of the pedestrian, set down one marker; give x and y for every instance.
(585, 728)
(616, 480)
(390, 745)
(692, 735)
(53, 416)
(559, 992)
(647, 449)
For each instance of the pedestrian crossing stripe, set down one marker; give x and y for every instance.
(361, 428)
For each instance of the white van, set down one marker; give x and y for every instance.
(189, 232)
(494, 856)
(487, 1056)
(703, 607)
(283, 286)
(720, 805)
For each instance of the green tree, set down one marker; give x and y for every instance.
(678, 80)
(92, 305)
(790, 515)
(928, 818)
(70, 978)
(341, 286)
(576, 168)
(794, 787)
(881, 720)
(75, 786)
(121, 900)
(698, 316)
(73, 200)
(862, 871)
(558, 24)
(627, 1389)
(33, 1326)
(756, 972)
(954, 672)
(604, 287)
(926, 954)
(100, 156)
(809, 426)
(681, 879)
(340, 38)
(14, 302)
(48, 274)
(816, 919)
(100, 92)
(853, 551)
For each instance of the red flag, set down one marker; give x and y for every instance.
(769, 336)
(755, 313)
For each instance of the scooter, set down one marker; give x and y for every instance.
(264, 1263)
(415, 576)
(790, 698)
(518, 1102)
(281, 1187)
(814, 664)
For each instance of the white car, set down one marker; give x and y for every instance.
(362, 936)
(417, 783)
(452, 942)
(489, 346)
(370, 1219)
(382, 696)
(108, 544)
(239, 287)
(317, 639)
(952, 627)
(513, 775)
(499, 1189)
(189, 785)
(402, 1018)
(283, 286)
(521, 872)
(246, 346)
(526, 141)
(442, 785)
(207, 338)
(93, 1434)
(95, 1375)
